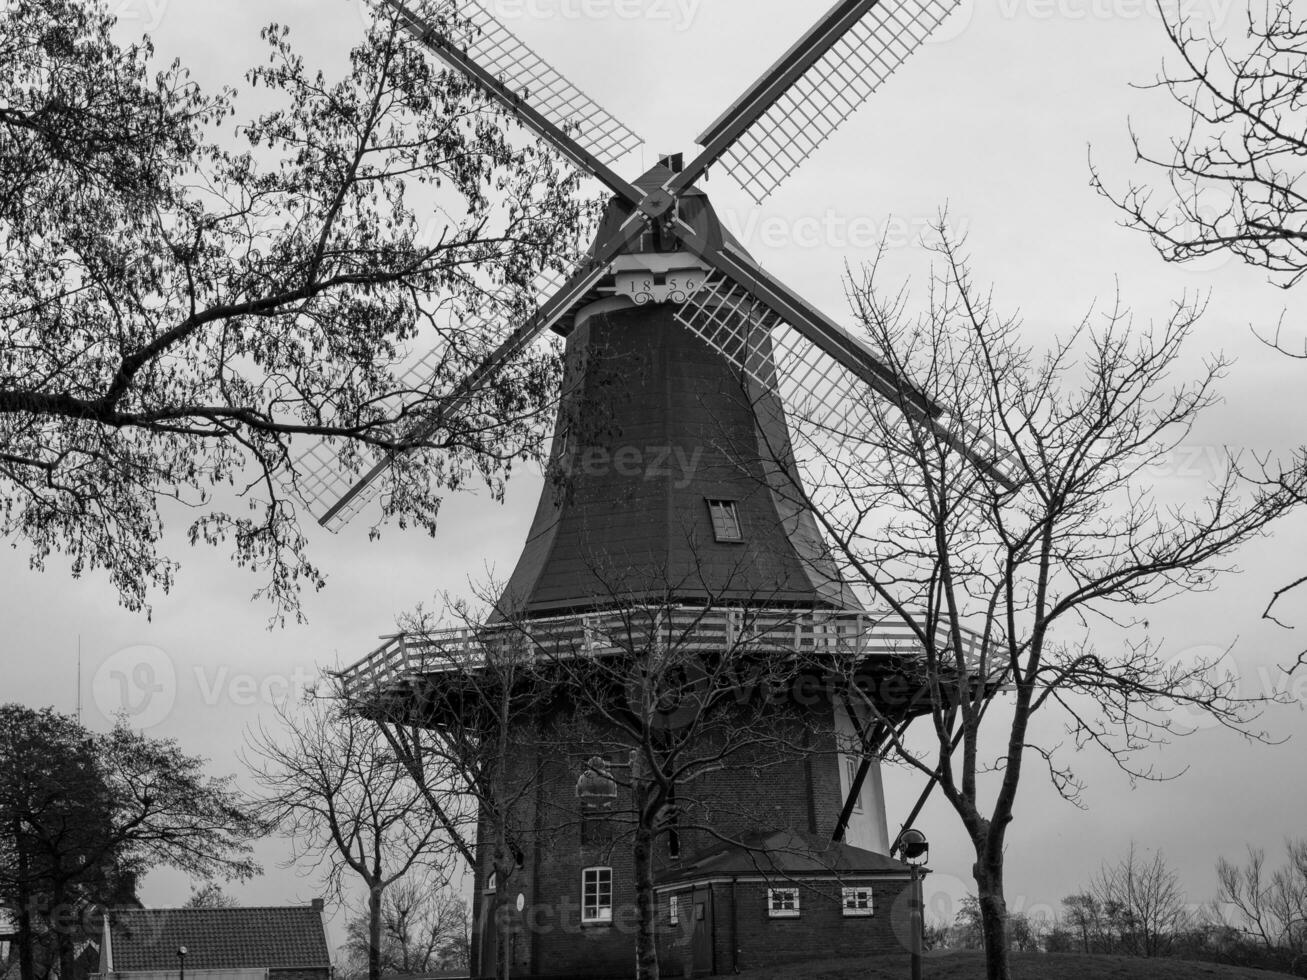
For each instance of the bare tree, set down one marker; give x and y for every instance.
(334, 788)
(424, 929)
(1233, 179)
(1269, 908)
(1142, 902)
(1036, 583)
(454, 730)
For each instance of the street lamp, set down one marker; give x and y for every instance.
(181, 962)
(916, 852)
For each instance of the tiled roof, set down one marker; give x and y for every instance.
(219, 939)
(784, 852)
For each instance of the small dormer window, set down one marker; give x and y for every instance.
(725, 520)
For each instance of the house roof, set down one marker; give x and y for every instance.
(219, 939)
(783, 853)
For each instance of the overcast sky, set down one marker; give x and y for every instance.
(996, 118)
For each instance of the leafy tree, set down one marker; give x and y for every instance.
(187, 296)
(998, 580)
(209, 896)
(79, 809)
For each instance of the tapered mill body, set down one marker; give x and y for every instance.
(670, 477)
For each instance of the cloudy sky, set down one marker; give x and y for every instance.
(997, 119)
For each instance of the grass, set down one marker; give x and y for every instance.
(1025, 966)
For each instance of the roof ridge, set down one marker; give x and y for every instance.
(224, 908)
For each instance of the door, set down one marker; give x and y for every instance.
(701, 936)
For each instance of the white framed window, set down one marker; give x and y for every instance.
(673, 912)
(597, 895)
(725, 520)
(851, 766)
(782, 903)
(858, 901)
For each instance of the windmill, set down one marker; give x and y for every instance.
(715, 289)
(684, 514)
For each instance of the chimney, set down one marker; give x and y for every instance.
(316, 905)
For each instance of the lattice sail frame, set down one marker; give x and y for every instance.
(775, 145)
(472, 29)
(816, 105)
(825, 402)
(324, 479)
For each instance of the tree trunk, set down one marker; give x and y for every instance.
(26, 957)
(374, 933)
(62, 922)
(993, 914)
(646, 937)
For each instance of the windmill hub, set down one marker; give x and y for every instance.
(658, 203)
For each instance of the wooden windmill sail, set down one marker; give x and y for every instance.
(762, 139)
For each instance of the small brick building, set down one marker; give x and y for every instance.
(272, 943)
(779, 898)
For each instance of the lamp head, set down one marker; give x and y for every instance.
(915, 847)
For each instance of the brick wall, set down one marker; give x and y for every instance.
(746, 936)
(315, 973)
(801, 791)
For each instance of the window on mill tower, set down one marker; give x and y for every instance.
(725, 520)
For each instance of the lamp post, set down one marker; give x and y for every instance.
(181, 963)
(916, 852)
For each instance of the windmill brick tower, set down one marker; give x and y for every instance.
(673, 489)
